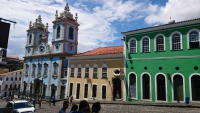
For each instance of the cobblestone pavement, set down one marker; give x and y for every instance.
(112, 108)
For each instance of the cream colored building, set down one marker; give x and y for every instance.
(97, 74)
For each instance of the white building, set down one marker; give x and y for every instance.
(10, 83)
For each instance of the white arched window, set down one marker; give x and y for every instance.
(87, 70)
(79, 71)
(176, 41)
(193, 39)
(133, 46)
(72, 71)
(95, 71)
(159, 43)
(145, 44)
(104, 71)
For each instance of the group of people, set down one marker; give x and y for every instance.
(84, 107)
(40, 101)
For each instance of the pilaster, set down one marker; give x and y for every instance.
(49, 78)
(59, 76)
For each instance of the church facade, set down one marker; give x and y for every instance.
(45, 66)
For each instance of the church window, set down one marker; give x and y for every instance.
(26, 72)
(45, 70)
(71, 33)
(33, 72)
(30, 38)
(40, 39)
(87, 68)
(58, 32)
(95, 71)
(57, 46)
(104, 71)
(194, 39)
(39, 70)
(55, 73)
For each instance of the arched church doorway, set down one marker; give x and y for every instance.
(145, 86)
(116, 88)
(62, 92)
(178, 88)
(195, 83)
(161, 88)
(53, 90)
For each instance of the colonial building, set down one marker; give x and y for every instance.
(45, 67)
(96, 74)
(162, 62)
(10, 83)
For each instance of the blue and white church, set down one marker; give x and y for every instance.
(45, 66)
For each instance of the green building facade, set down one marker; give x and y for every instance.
(162, 63)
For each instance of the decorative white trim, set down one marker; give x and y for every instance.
(160, 58)
(172, 79)
(156, 86)
(150, 88)
(129, 48)
(96, 90)
(116, 70)
(104, 66)
(180, 39)
(79, 90)
(190, 84)
(84, 91)
(135, 85)
(155, 42)
(188, 37)
(102, 91)
(141, 44)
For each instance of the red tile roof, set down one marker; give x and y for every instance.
(4, 74)
(102, 51)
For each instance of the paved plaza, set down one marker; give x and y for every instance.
(116, 108)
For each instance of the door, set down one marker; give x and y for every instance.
(116, 88)
(146, 86)
(103, 92)
(161, 89)
(77, 91)
(178, 88)
(62, 92)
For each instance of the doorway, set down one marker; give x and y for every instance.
(53, 90)
(116, 88)
(62, 92)
(145, 86)
(195, 81)
(178, 88)
(161, 88)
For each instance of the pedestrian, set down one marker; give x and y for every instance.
(96, 107)
(40, 102)
(83, 107)
(74, 109)
(54, 100)
(65, 106)
(67, 98)
(71, 99)
(34, 102)
(88, 110)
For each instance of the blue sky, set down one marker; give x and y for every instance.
(101, 21)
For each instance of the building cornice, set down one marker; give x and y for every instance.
(48, 55)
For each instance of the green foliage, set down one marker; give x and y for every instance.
(20, 66)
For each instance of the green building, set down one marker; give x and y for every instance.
(162, 63)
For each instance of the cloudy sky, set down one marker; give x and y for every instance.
(101, 21)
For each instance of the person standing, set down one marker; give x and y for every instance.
(74, 109)
(83, 107)
(96, 107)
(54, 100)
(65, 106)
(71, 99)
(40, 102)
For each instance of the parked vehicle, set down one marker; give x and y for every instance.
(20, 106)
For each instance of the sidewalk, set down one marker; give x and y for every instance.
(142, 103)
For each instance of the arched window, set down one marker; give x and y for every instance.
(11, 79)
(104, 71)
(58, 32)
(30, 38)
(194, 40)
(95, 71)
(40, 39)
(15, 78)
(160, 43)
(133, 46)
(79, 71)
(71, 33)
(72, 71)
(10, 87)
(87, 70)
(145, 44)
(176, 41)
(19, 78)
(6, 87)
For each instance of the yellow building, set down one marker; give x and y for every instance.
(97, 74)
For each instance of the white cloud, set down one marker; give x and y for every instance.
(178, 10)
